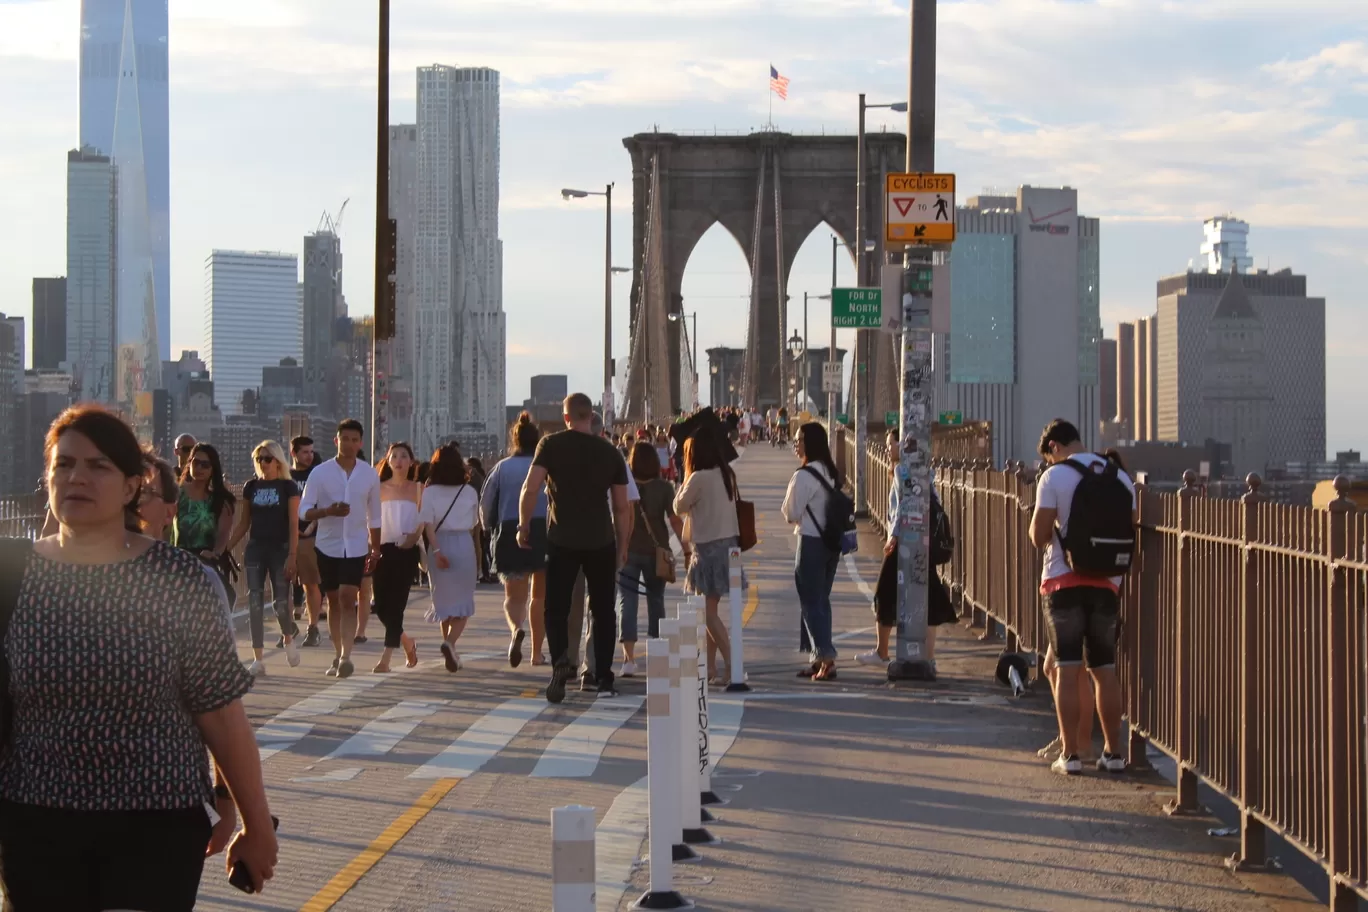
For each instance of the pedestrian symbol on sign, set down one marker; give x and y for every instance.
(942, 210)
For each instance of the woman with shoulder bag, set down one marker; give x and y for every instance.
(450, 517)
(707, 501)
(814, 572)
(650, 559)
(522, 570)
(86, 828)
(204, 513)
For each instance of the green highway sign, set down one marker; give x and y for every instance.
(842, 418)
(890, 419)
(952, 418)
(857, 308)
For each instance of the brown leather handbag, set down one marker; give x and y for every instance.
(745, 522)
(664, 554)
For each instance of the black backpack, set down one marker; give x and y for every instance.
(942, 538)
(1100, 540)
(838, 529)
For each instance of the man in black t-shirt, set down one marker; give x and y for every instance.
(306, 569)
(580, 471)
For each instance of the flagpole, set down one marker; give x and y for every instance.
(770, 96)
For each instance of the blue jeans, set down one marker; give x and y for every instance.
(814, 572)
(640, 567)
(265, 559)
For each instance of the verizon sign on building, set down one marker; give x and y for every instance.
(1024, 323)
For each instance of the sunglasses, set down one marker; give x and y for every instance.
(185, 450)
(265, 459)
(202, 464)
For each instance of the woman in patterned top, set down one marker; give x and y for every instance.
(105, 789)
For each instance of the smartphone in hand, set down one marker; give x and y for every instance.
(241, 875)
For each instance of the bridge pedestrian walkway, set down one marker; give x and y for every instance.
(423, 790)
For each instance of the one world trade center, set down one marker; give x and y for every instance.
(124, 115)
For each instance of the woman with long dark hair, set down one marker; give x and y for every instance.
(449, 515)
(90, 820)
(204, 512)
(706, 500)
(815, 564)
(522, 570)
(400, 531)
(650, 534)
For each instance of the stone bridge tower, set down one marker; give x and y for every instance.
(770, 190)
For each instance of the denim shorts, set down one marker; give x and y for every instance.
(1083, 625)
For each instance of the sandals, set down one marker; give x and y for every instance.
(809, 671)
(826, 672)
(410, 652)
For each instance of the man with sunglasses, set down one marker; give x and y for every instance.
(185, 445)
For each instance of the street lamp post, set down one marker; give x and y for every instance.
(831, 354)
(608, 271)
(382, 324)
(796, 348)
(863, 384)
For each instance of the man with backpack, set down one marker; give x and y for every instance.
(1084, 519)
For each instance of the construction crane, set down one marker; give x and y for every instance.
(333, 224)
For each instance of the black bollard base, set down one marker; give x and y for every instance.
(699, 836)
(680, 852)
(711, 797)
(911, 670)
(706, 815)
(743, 687)
(665, 899)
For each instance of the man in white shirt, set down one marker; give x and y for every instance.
(743, 428)
(343, 496)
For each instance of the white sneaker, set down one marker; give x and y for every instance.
(1111, 763)
(256, 669)
(292, 653)
(871, 658)
(628, 669)
(1067, 766)
(1051, 750)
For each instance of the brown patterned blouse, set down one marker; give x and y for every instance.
(109, 665)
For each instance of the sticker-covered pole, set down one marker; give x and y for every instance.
(660, 758)
(572, 859)
(913, 477)
(670, 633)
(736, 663)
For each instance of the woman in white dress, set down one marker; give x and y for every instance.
(449, 512)
(400, 495)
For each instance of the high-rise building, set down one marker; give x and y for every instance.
(49, 323)
(124, 116)
(550, 388)
(1225, 245)
(251, 319)
(10, 436)
(1106, 379)
(1241, 363)
(1125, 379)
(92, 274)
(281, 386)
(1025, 321)
(322, 308)
(459, 337)
(403, 208)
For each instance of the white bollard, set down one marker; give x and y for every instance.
(691, 809)
(736, 662)
(660, 757)
(572, 859)
(706, 795)
(669, 631)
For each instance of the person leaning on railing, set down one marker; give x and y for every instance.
(146, 664)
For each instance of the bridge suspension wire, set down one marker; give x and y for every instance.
(749, 379)
(781, 361)
(648, 373)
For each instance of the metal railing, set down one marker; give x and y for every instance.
(1244, 652)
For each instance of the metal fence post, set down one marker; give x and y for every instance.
(1131, 638)
(1252, 854)
(1185, 802)
(1339, 700)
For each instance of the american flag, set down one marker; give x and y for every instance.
(778, 84)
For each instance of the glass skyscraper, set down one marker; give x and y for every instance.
(124, 116)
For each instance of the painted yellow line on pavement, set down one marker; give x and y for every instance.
(752, 603)
(349, 876)
(530, 692)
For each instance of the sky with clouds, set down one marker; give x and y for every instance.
(1161, 113)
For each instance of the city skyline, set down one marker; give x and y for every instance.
(1149, 169)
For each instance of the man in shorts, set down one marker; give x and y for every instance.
(343, 496)
(1084, 611)
(306, 564)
